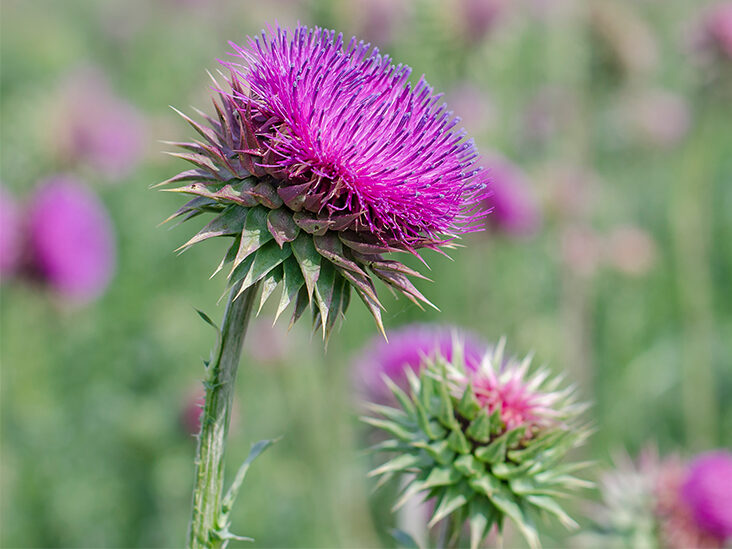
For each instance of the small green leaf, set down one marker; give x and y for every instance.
(480, 428)
(254, 235)
(458, 442)
(228, 222)
(269, 284)
(402, 462)
(495, 452)
(281, 226)
(266, 259)
(207, 320)
(233, 491)
(308, 259)
(390, 427)
(301, 303)
(324, 288)
(552, 507)
(454, 498)
(437, 450)
(481, 515)
(510, 508)
(469, 466)
(468, 407)
(292, 281)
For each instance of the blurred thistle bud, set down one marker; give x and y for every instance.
(93, 126)
(718, 29)
(478, 17)
(320, 159)
(486, 444)
(514, 207)
(72, 244)
(10, 234)
(407, 349)
(665, 503)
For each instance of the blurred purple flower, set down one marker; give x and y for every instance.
(98, 128)
(72, 240)
(377, 20)
(718, 26)
(10, 234)
(707, 490)
(514, 207)
(406, 348)
(473, 106)
(658, 118)
(478, 17)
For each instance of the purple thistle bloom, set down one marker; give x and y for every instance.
(342, 122)
(72, 240)
(707, 490)
(719, 28)
(407, 348)
(320, 160)
(10, 234)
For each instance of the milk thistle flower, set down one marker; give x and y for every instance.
(485, 444)
(72, 242)
(319, 160)
(666, 503)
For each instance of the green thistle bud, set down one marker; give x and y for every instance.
(486, 444)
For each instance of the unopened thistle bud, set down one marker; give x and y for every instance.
(485, 444)
(319, 160)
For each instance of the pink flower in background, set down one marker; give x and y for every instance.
(406, 348)
(71, 238)
(478, 17)
(377, 20)
(97, 128)
(718, 28)
(658, 118)
(474, 107)
(10, 234)
(707, 490)
(630, 250)
(515, 210)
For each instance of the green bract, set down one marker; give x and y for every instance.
(458, 447)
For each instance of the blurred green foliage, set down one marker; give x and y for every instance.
(93, 452)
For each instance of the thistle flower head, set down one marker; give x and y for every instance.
(408, 348)
(707, 490)
(486, 444)
(666, 502)
(320, 159)
(71, 238)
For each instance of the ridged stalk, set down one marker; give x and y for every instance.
(209, 480)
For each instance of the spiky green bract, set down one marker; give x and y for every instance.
(486, 445)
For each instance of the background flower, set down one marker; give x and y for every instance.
(10, 234)
(72, 240)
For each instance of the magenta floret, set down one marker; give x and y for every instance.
(344, 121)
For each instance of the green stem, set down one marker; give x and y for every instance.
(209, 480)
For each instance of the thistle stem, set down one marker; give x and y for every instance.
(209, 480)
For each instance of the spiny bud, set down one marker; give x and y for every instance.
(485, 444)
